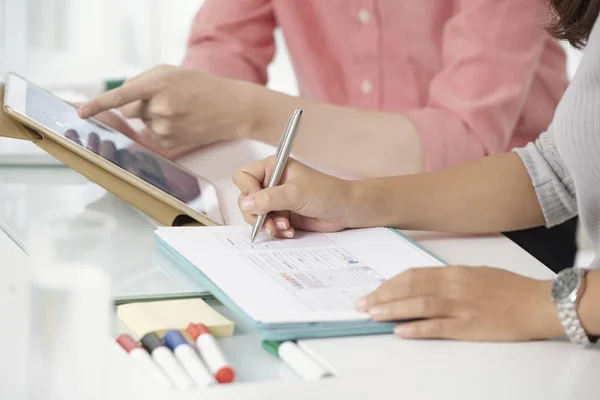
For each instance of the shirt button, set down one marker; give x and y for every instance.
(366, 86)
(364, 16)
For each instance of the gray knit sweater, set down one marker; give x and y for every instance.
(564, 163)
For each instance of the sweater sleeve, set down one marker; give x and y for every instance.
(551, 179)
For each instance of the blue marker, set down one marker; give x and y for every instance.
(165, 360)
(189, 358)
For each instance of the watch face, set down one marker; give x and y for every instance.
(566, 283)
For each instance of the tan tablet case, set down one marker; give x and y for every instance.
(158, 209)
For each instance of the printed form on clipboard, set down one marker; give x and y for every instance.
(311, 279)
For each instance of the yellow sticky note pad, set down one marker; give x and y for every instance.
(163, 316)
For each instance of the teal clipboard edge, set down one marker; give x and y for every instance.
(282, 332)
(418, 245)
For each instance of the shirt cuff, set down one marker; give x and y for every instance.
(445, 139)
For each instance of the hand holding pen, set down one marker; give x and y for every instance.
(303, 198)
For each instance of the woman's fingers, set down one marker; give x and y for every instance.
(141, 89)
(436, 328)
(417, 307)
(414, 282)
(250, 177)
(276, 198)
(137, 109)
(281, 222)
(247, 184)
(269, 226)
(276, 225)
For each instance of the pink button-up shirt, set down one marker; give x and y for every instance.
(476, 77)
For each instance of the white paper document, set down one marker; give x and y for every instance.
(314, 277)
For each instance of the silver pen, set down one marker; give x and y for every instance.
(283, 153)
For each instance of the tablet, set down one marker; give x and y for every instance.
(110, 149)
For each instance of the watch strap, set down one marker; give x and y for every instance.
(567, 313)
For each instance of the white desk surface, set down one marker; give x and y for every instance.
(384, 366)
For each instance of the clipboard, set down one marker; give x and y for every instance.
(277, 331)
(162, 209)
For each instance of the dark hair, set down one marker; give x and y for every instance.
(573, 20)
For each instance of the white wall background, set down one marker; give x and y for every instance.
(66, 42)
(79, 43)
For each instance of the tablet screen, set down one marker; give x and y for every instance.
(51, 112)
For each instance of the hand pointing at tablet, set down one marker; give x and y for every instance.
(180, 107)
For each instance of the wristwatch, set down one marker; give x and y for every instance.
(567, 290)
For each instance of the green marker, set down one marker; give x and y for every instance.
(296, 359)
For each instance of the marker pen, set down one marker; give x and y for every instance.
(141, 356)
(166, 361)
(298, 360)
(211, 353)
(189, 358)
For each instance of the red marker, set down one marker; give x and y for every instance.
(141, 356)
(211, 353)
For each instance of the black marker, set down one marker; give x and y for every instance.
(167, 361)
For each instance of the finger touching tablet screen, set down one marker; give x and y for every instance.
(60, 122)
